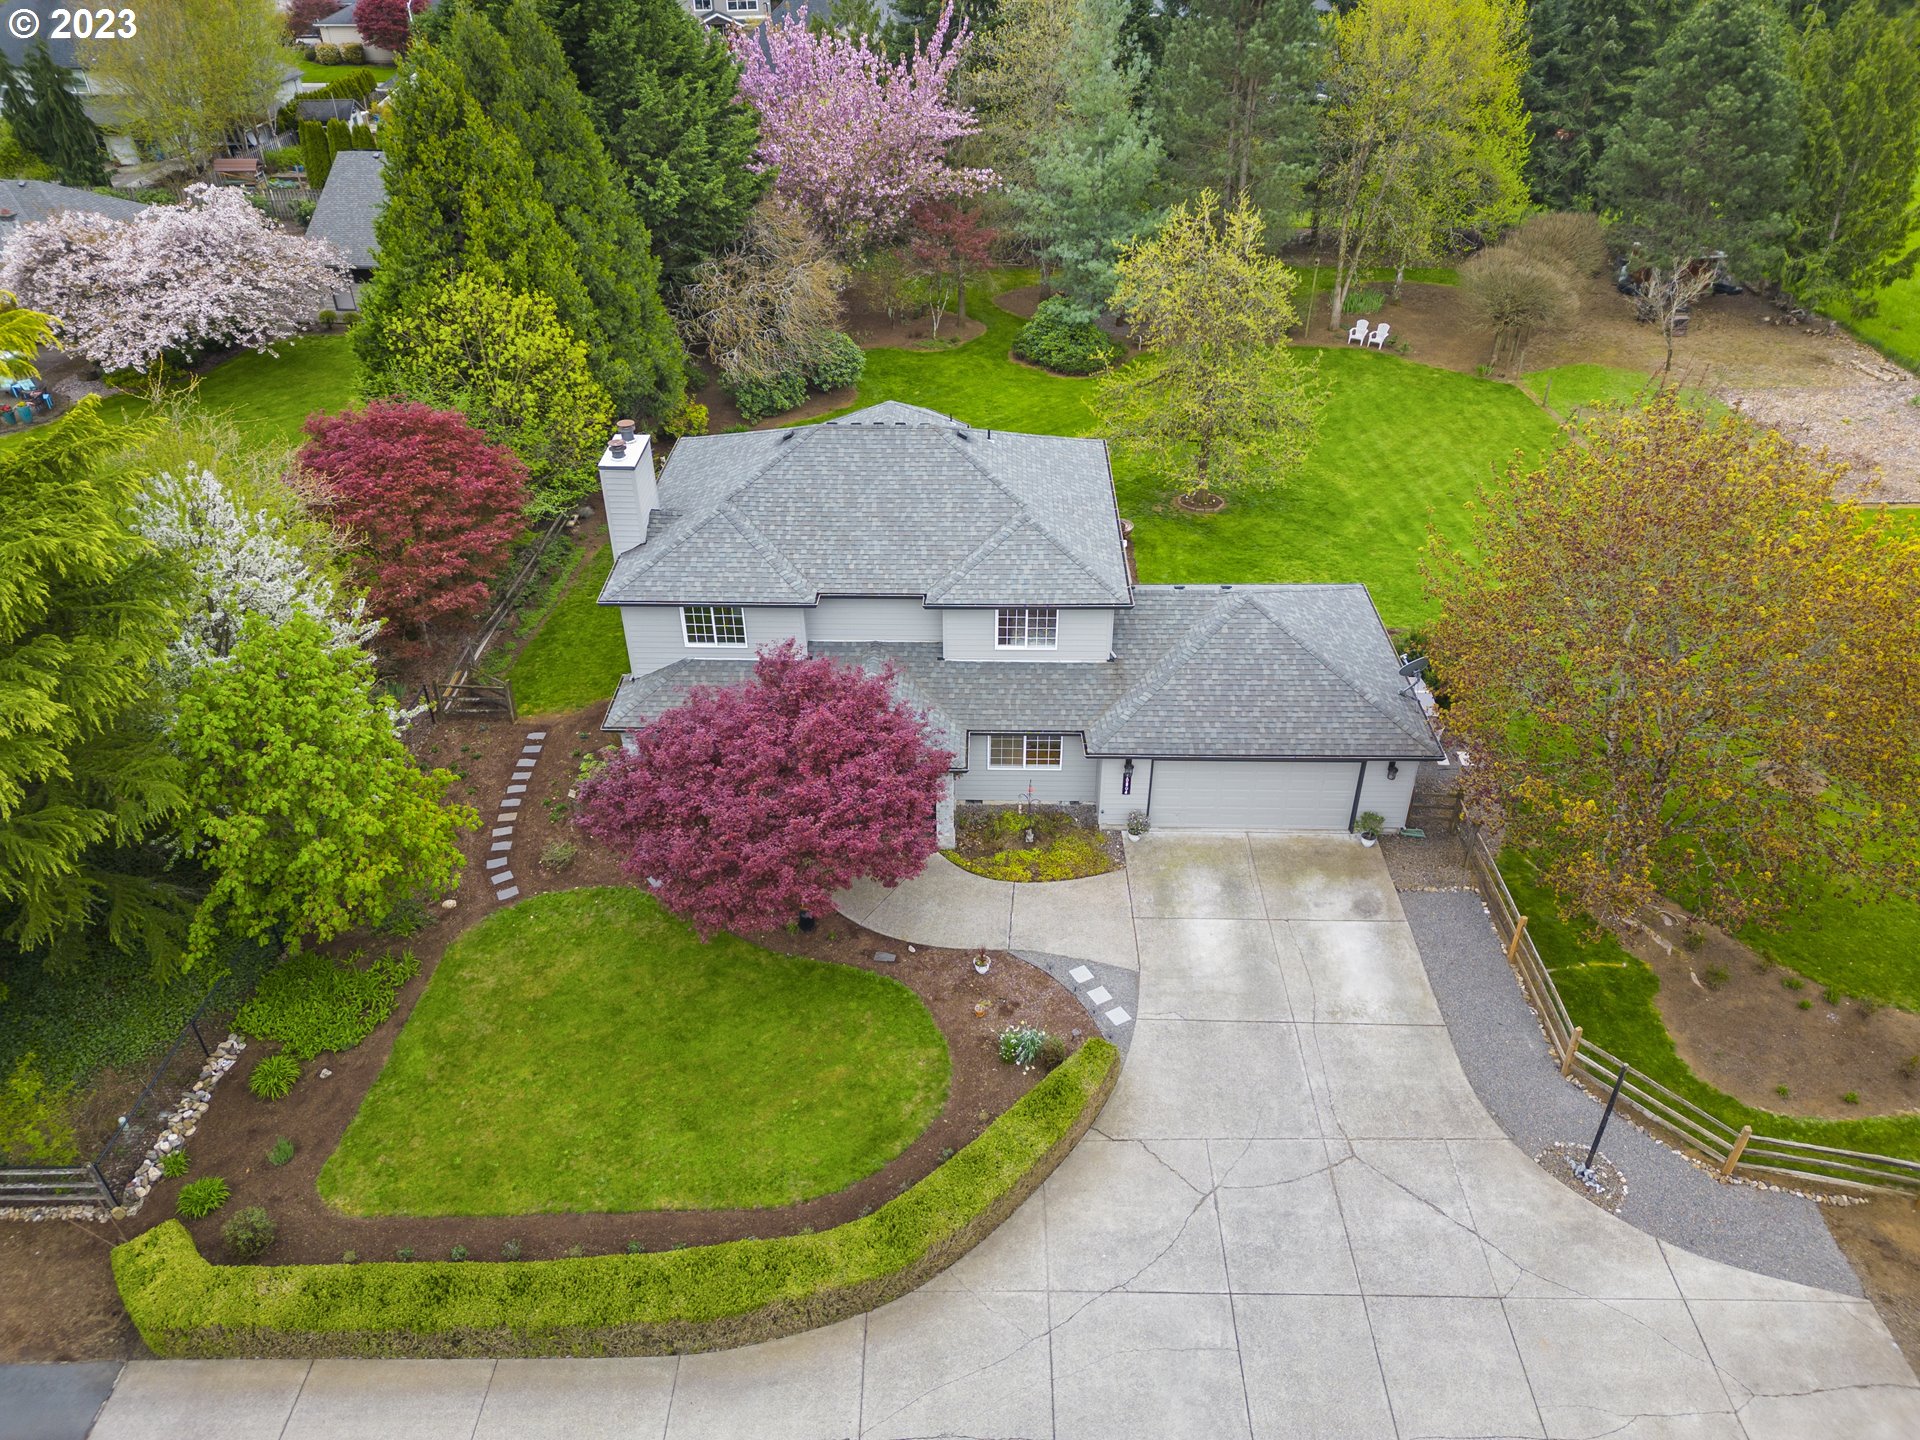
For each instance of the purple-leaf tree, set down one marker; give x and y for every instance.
(175, 279)
(750, 803)
(857, 140)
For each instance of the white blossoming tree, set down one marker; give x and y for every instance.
(174, 280)
(238, 562)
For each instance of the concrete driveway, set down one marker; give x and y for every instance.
(1295, 1219)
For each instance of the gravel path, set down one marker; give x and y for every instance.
(1508, 1064)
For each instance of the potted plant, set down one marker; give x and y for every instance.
(982, 963)
(1370, 825)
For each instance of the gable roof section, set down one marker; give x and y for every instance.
(355, 193)
(891, 500)
(32, 200)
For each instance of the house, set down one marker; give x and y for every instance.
(339, 29)
(322, 111)
(355, 193)
(22, 202)
(991, 571)
(730, 14)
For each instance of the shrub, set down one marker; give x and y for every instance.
(249, 1232)
(274, 1077)
(284, 157)
(1062, 337)
(688, 418)
(404, 1253)
(353, 53)
(328, 317)
(1572, 242)
(1852, 1097)
(758, 399)
(1052, 1053)
(199, 1198)
(174, 1164)
(349, 1257)
(609, 1304)
(558, 854)
(457, 1253)
(326, 54)
(1514, 295)
(1716, 977)
(1368, 301)
(510, 1250)
(314, 1003)
(1370, 822)
(408, 917)
(1020, 1044)
(33, 1117)
(837, 364)
(281, 1152)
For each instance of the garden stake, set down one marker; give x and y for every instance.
(1585, 1172)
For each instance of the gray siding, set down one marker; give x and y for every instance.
(655, 637)
(1115, 807)
(1077, 779)
(1389, 797)
(1085, 636)
(850, 618)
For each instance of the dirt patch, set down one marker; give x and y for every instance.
(1881, 1240)
(1749, 1027)
(60, 1302)
(1427, 323)
(1022, 301)
(877, 330)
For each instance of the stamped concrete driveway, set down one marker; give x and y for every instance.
(1294, 1219)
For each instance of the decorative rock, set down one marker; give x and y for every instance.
(448, 903)
(913, 950)
(885, 957)
(325, 1074)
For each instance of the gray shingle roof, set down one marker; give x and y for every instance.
(344, 214)
(32, 200)
(1256, 671)
(891, 500)
(324, 110)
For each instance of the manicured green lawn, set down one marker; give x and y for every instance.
(584, 1051)
(579, 653)
(1399, 443)
(1610, 995)
(1869, 950)
(313, 70)
(1569, 389)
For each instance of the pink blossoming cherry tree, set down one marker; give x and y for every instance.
(858, 140)
(750, 803)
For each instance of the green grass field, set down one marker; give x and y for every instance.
(1866, 949)
(580, 649)
(324, 74)
(584, 1051)
(1610, 995)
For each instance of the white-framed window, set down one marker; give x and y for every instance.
(1026, 627)
(1023, 752)
(714, 624)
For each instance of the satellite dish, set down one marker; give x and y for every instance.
(1413, 669)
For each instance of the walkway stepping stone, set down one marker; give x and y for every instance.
(506, 820)
(1118, 1016)
(498, 862)
(536, 735)
(503, 830)
(1081, 974)
(516, 789)
(531, 749)
(885, 957)
(510, 802)
(506, 894)
(504, 877)
(1099, 995)
(501, 845)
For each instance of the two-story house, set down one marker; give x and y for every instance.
(738, 14)
(990, 570)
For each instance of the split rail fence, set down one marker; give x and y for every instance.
(1727, 1148)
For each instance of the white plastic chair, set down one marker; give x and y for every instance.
(1358, 334)
(1379, 338)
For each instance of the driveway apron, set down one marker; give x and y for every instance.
(1294, 1218)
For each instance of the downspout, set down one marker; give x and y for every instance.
(1353, 815)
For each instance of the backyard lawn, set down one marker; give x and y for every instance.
(269, 397)
(312, 70)
(579, 652)
(1867, 950)
(584, 1051)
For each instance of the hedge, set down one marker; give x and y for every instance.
(667, 1302)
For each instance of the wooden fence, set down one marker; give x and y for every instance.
(27, 1186)
(469, 690)
(1726, 1148)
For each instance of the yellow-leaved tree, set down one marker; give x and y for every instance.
(1216, 401)
(1680, 666)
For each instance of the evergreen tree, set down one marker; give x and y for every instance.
(49, 121)
(87, 612)
(1706, 157)
(315, 154)
(1234, 102)
(1587, 56)
(531, 92)
(462, 199)
(1859, 88)
(663, 93)
(1093, 177)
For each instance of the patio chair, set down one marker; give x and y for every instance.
(1378, 340)
(1358, 333)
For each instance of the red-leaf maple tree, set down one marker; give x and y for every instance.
(750, 803)
(385, 23)
(1679, 666)
(429, 507)
(948, 242)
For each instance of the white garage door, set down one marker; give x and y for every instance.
(1253, 794)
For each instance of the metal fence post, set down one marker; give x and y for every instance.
(100, 1179)
(193, 1024)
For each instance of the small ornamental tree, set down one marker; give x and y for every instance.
(386, 23)
(853, 138)
(303, 804)
(429, 508)
(1680, 666)
(949, 242)
(750, 803)
(304, 16)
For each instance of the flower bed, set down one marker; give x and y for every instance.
(665, 1302)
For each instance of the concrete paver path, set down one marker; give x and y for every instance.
(1294, 1219)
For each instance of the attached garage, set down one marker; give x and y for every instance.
(1253, 794)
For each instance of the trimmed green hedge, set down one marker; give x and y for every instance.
(661, 1303)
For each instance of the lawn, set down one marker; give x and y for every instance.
(584, 1051)
(1610, 995)
(579, 652)
(1894, 326)
(312, 70)
(1865, 949)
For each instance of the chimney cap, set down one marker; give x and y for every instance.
(626, 428)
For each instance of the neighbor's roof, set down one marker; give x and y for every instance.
(890, 500)
(342, 16)
(32, 200)
(348, 205)
(336, 109)
(1251, 671)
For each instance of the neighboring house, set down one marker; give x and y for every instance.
(722, 14)
(990, 569)
(339, 29)
(22, 202)
(355, 192)
(322, 111)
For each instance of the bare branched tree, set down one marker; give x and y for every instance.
(1516, 294)
(758, 310)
